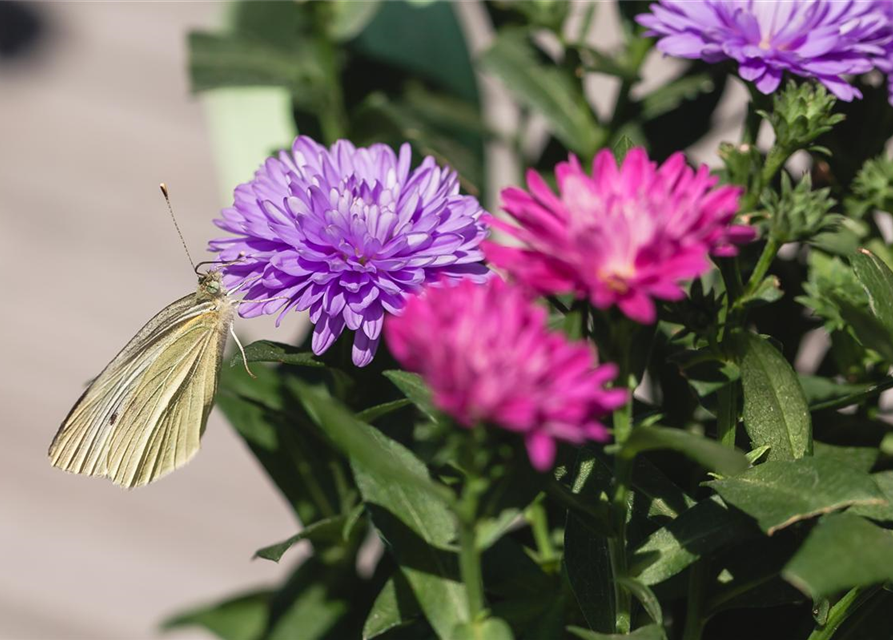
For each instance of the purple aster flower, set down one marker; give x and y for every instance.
(348, 234)
(822, 39)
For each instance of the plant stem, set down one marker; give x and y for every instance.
(694, 612)
(467, 515)
(539, 524)
(470, 567)
(623, 469)
(856, 398)
(765, 261)
(727, 414)
(726, 430)
(844, 608)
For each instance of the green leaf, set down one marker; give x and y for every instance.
(649, 632)
(706, 527)
(488, 629)
(421, 41)
(668, 97)
(311, 603)
(414, 388)
(587, 556)
(417, 529)
(707, 376)
(841, 552)
(266, 351)
(862, 458)
(645, 596)
(238, 60)
(708, 453)
(869, 330)
(877, 280)
(367, 447)
(778, 494)
(324, 531)
(879, 512)
(347, 18)
(394, 606)
(546, 88)
(621, 148)
(775, 409)
(372, 414)
(819, 390)
(431, 570)
(284, 442)
(243, 617)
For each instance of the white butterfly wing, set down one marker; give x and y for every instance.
(144, 415)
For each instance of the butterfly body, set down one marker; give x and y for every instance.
(144, 415)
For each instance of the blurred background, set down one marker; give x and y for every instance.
(96, 110)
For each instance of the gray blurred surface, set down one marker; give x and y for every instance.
(88, 129)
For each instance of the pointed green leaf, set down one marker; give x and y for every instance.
(243, 617)
(862, 458)
(878, 512)
(778, 494)
(372, 414)
(414, 388)
(488, 629)
(394, 606)
(649, 632)
(699, 531)
(417, 529)
(775, 409)
(546, 88)
(877, 280)
(266, 351)
(708, 453)
(841, 552)
(239, 60)
(324, 532)
(367, 447)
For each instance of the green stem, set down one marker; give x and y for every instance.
(726, 428)
(856, 398)
(539, 524)
(470, 567)
(694, 613)
(727, 414)
(765, 261)
(466, 512)
(617, 546)
(844, 608)
(333, 117)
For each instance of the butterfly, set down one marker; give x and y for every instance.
(144, 415)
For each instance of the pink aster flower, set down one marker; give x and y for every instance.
(487, 355)
(623, 236)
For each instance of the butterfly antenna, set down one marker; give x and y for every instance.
(170, 209)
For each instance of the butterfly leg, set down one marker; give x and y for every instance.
(242, 351)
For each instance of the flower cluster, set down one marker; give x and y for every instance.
(821, 39)
(347, 233)
(494, 360)
(621, 236)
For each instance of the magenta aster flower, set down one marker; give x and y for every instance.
(620, 236)
(822, 39)
(348, 234)
(488, 357)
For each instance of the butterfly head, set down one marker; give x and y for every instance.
(211, 284)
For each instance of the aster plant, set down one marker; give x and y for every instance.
(640, 396)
